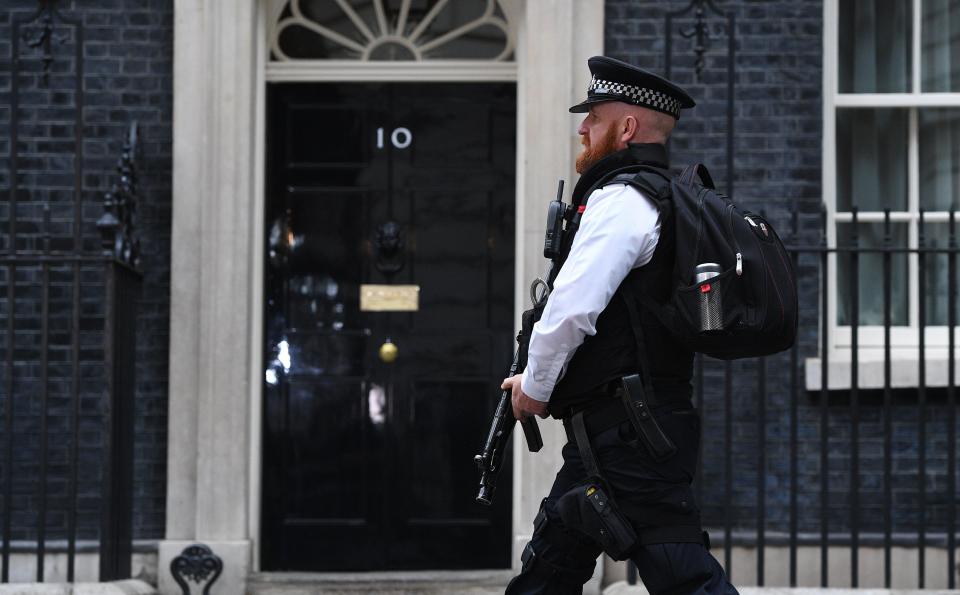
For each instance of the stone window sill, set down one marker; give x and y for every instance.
(904, 370)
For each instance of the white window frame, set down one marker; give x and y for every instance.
(904, 339)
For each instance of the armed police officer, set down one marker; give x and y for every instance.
(602, 363)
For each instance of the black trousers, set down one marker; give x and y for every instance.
(560, 558)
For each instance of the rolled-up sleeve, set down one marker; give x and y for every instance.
(618, 232)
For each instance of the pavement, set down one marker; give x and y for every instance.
(622, 588)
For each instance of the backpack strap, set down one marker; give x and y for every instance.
(656, 184)
(649, 180)
(643, 362)
(625, 175)
(697, 170)
(652, 183)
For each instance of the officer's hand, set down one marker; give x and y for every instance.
(523, 404)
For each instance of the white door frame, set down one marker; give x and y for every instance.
(217, 268)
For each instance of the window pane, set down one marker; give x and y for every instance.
(937, 273)
(355, 30)
(939, 158)
(301, 43)
(874, 46)
(872, 159)
(871, 275)
(941, 45)
(484, 42)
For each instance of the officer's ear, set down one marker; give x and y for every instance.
(628, 129)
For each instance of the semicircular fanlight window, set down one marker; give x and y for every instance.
(391, 30)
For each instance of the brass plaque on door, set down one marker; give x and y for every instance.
(389, 298)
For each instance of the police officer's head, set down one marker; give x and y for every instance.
(625, 104)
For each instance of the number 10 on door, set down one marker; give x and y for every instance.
(399, 138)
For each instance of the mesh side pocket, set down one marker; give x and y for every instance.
(711, 309)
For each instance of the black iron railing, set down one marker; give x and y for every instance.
(67, 356)
(69, 364)
(787, 461)
(832, 464)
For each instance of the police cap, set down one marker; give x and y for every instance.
(614, 80)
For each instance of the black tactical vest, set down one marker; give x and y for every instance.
(612, 352)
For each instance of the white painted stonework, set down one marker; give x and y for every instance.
(127, 587)
(554, 41)
(904, 369)
(904, 570)
(213, 245)
(220, 73)
(86, 562)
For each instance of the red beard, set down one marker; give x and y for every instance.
(591, 154)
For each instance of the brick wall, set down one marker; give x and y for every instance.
(127, 63)
(777, 164)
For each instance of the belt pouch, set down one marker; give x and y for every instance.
(641, 417)
(589, 510)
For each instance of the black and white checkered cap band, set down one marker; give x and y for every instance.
(637, 95)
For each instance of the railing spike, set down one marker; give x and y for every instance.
(117, 225)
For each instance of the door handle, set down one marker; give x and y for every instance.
(388, 352)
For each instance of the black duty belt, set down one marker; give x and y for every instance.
(602, 415)
(607, 411)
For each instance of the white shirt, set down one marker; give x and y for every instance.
(618, 232)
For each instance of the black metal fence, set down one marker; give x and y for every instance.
(67, 401)
(848, 458)
(69, 302)
(791, 460)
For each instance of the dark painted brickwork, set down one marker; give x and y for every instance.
(127, 61)
(778, 124)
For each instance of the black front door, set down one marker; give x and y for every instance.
(367, 463)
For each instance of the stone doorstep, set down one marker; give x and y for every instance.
(622, 588)
(448, 582)
(125, 587)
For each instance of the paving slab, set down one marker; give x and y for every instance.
(466, 582)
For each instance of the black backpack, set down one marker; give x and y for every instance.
(756, 311)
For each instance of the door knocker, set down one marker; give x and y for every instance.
(389, 245)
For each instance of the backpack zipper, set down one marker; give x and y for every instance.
(700, 195)
(736, 244)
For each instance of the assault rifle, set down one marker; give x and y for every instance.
(490, 458)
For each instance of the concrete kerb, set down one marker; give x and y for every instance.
(125, 587)
(622, 588)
